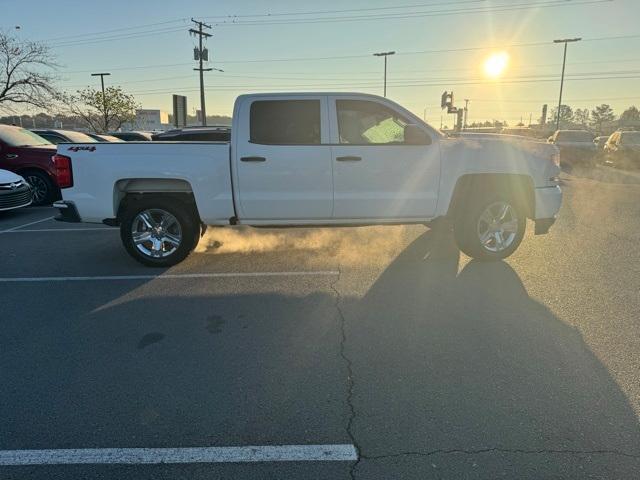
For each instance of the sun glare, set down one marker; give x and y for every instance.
(496, 64)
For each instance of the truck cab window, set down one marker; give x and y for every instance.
(363, 122)
(285, 122)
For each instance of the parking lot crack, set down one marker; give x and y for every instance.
(350, 376)
(454, 451)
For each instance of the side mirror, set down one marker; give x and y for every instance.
(414, 135)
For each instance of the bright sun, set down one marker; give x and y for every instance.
(496, 64)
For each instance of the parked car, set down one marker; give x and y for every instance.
(30, 156)
(101, 137)
(132, 136)
(623, 149)
(576, 146)
(15, 192)
(56, 136)
(312, 159)
(195, 134)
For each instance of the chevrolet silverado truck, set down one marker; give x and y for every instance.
(312, 159)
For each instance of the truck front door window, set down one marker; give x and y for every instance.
(363, 122)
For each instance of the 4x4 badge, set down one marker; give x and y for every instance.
(77, 149)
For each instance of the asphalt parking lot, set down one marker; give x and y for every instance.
(383, 352)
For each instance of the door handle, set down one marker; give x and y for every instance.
(348, 158)
(253, 159)
(11, 155)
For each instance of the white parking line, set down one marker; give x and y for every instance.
(269, 453)
(25, 225)
(170, 276)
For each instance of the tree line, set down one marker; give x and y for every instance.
(600, 118)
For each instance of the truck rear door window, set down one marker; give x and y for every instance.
(285, 122)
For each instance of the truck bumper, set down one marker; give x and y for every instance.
(548, 202)
(67, 212)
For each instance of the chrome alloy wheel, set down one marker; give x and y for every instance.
(39, 188)
(156, 233)
(498, 227)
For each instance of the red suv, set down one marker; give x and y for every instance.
(29, 155)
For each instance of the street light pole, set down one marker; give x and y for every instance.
(466, 111)
(104, 99)
(564, 60)
(385, 55)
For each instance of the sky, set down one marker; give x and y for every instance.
(287, 45)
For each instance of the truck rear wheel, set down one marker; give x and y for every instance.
(159, 232)
(490, 228)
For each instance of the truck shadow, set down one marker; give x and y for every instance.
(469, 361)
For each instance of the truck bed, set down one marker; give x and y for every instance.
(103, 172)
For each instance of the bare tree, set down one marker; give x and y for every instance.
(101, 113)
(27, 74)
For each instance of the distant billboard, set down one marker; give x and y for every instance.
(179, 111)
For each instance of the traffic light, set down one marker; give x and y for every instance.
(446, 101)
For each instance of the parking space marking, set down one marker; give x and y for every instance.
(26, 225)
(37, 230)
(169, 276)
(265, 453)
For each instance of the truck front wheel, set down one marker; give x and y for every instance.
(491, 227)
(159, 232)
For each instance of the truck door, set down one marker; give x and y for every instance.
(377, 174)
(282, 158)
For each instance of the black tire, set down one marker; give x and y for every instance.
(466, 227)
(44, 191)
(185, 216)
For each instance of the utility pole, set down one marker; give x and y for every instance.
(104, 99)
(200, 56)
(385, 55)
(466, 111)
(564, 60)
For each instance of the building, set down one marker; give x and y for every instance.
(148, 120)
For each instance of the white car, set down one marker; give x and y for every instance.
(312, 159)
(15, 192)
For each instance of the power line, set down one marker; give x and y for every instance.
(373, 85)
(417, 14)
(232, 16)
(97, 38)
(367, 55)
(89, 34)
(80, 42)
(320, 12)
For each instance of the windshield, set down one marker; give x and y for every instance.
(20, 137)
(630, 138)
(576, 136)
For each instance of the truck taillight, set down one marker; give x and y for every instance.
(555, 158)
(64, 173)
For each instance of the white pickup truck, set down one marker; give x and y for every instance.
(312, 159)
